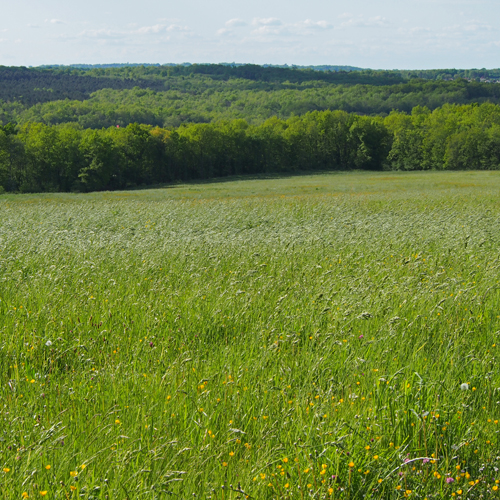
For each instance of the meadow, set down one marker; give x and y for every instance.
(307, 337)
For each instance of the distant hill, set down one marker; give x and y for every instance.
(324, 67)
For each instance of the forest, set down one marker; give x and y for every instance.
(84, 129)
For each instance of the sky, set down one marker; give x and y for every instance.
(379, 34)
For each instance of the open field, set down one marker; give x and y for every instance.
(325, 336)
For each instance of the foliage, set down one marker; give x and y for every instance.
(37, 157)
(169, 96)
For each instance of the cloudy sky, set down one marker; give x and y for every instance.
(387, 34)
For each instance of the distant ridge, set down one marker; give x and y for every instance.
(323, 67)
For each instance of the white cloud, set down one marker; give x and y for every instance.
(362, 22)
(472, 26)
(56, 21)
(99, 34)
(269, 21)
(268, 30)
(274, 27)
(33, 26)
(322, 25)
(151, 34)
(224, 32)
(176, 27)
(157, 28)
(235, 23)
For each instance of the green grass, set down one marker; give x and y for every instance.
(298, 337)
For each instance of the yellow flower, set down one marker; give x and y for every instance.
(83, 466)
(285, 460)
(287, 485)
(25, 495)
(5, 469)
(43, 493)
(72, 488)
(224, 464)
(380, 480)
(73, 473)
(47, 467)
(117, 422)
(231, 453)
(351, 464)
(495, 488)
(375, 457)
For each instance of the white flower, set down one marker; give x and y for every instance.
(48, 343)
(464, 386)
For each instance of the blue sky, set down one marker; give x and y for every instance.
(386, 34)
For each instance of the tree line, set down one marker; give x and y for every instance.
(36, 157)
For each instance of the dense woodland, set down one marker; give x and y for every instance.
(83, 129)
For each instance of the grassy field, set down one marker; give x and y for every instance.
(327, 336)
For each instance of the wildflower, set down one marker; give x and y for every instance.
(47, 467)
(449, 480)
(464, 386)
(495, 488)
(73, 473)
(351, 464)
(43, 493)
(224, 464)
(375, 457)
(117, 422)
(72, 488)
(5, 469)
(285, 460)
(231, 453)
(25, 495)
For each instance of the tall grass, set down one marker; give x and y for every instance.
(331, 336)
